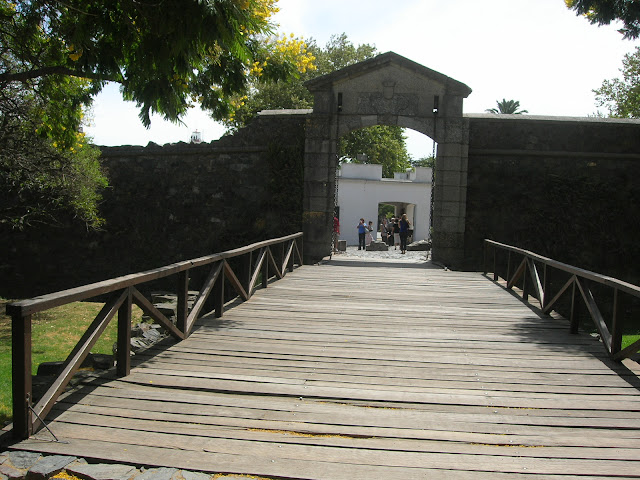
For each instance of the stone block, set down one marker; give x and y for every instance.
(419, 246)
(187, 475)
(49, 466)
(342, 245)
(377, 246)
(102, 471)
(20, 459)
(11, 473)
(163, 473)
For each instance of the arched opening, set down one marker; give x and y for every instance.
(386, 90)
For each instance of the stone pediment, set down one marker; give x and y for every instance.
(391, 86)
(393, 63)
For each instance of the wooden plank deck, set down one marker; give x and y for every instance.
(353, 370)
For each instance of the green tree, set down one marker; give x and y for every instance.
(603, 12)
(382, 144)
(429, 162)
(621, 97)
(507, 107)
(166, 56)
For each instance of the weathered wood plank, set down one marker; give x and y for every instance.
(330, 373)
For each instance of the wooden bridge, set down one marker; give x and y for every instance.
(364, 370)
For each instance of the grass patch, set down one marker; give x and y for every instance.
(629, 339)
(54, 334)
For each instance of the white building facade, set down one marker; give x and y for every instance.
(361, 189)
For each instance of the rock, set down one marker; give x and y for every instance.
(157, 474)
(377, 246)
(23, 460)
(10, 472)
(102, 471)
(47, 467)
(187, 475)
(102, 361)
(342, 245)
(420, 245)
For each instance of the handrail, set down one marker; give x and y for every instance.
(123, 293)
(578, 286)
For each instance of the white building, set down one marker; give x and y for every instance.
(361, 189)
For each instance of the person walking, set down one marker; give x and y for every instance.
(368, 238)
(404, 232)
(383, 230)
(362, 231)
(396, 233)
(336, 232)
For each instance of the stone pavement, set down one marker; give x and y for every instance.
(390, 255)
(34, 466)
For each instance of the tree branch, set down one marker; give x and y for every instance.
(54, 70)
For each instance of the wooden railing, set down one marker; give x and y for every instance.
(264, 259)
(525, 267)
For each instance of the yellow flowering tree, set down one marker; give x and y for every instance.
(55, 56)
(603, 12)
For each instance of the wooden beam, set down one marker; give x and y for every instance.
(594, 311)
(257, 269)
(274, 264)
(45, 302)
(148, 308)
(517, 274)
(123, 365)
(537, 285)
(233, 280)
(21, 373)
(182, 308)
(547, 308)
(202, 296)
(79, 353)
(616, 325)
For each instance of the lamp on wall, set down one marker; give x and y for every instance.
(436, 102)
(339, 102)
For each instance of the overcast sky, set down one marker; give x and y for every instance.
(534, 51)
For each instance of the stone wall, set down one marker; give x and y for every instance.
(166, 204)
(562, 187)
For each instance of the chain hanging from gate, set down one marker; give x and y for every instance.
(334, 234)
(436, 101)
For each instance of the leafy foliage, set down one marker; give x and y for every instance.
(381, 144)
(166, 56)
(429, 162)
(603, 12)
(621, 97)
(47, 168)
(507, 107)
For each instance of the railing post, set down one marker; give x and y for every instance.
(123, 362)
(245, 272)
(508, 277)
(293, 255)
(545, 289)
(218, 294)
(21, 371)
(525, 284)
(301, 249)
(265, 269)
(616, 325)
(183, 307)
(485, 247)
(574, 320)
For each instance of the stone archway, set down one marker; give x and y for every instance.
(387, 90)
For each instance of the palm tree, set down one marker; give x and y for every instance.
(507, 107)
